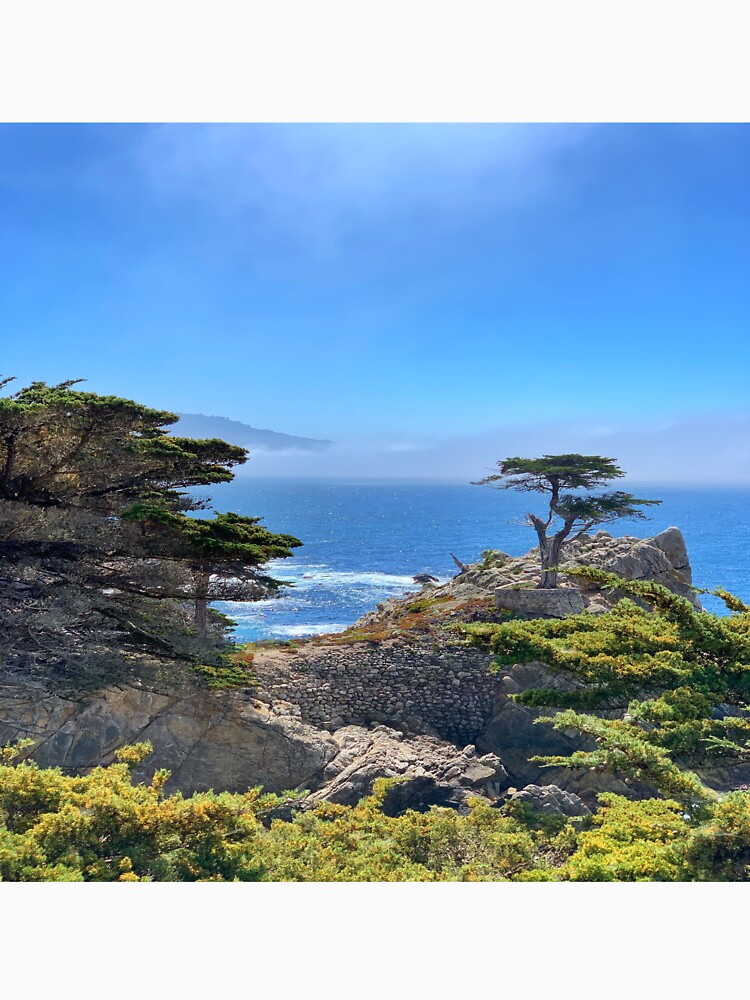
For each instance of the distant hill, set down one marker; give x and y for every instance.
(198, 425)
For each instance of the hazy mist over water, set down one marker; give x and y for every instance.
(364, 540)
(707, 448)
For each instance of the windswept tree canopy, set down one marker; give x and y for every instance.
(588, 512)
(226, 538)
(554, 474)
(61, 447)
(94, 504)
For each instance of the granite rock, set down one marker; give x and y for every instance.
(431, 771)
(551, 799)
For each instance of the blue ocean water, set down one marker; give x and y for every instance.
(363, 541)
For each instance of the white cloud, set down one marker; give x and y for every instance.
(323, 181)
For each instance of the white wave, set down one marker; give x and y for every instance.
(302, 630)
(245, 610)
(320, 575)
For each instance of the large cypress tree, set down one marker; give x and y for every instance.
(98, 548)
(577, 511)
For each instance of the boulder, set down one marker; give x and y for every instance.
(662, 559)
(548, 799)
(433, 772)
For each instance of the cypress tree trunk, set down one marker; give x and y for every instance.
(201, 580)
(549, 550)
(547, 553)
(550, 555)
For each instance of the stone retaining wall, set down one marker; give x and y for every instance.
(556, 603)
(449, 689)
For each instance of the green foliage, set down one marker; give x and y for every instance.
(548, 823)
(492, 558)
(234, 670)
(553, 474)
(105, 562)
(626, 750)
(102, 827)
(667, 672)
(632, 842)
(225, 538)
(427, 604)
(719, 849)
(134, 753)
(653, 841)
(10, 753)
(60, 446)
(354, 635)
(105, 827)
(542, 475)
(602, 509)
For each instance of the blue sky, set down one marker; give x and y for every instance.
(408, 288)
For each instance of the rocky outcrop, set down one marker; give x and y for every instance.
(234, 742)
(432, 772)
(663, 559)
(513, 731)
(515, 735)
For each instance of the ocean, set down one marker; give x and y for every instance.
(365, 540)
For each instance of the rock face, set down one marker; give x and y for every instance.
(207, 740)
(513, 732)
(232, 742)
(515, 735)
(663, 559)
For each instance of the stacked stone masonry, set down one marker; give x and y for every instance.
(540, 603)
(446, 689)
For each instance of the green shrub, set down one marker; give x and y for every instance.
(666, 671)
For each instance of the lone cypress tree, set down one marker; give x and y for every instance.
(553, 474)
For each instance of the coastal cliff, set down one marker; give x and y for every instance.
(398, 693)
